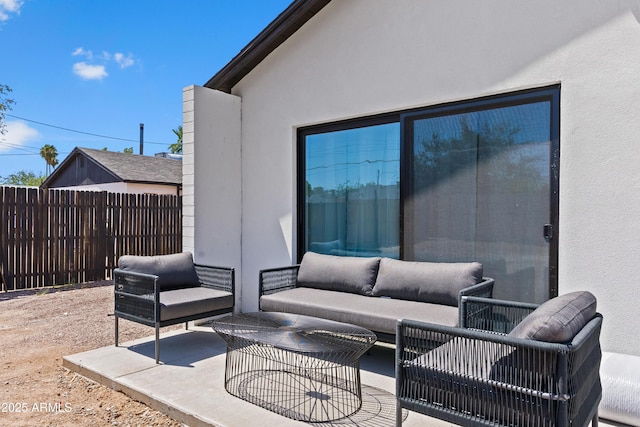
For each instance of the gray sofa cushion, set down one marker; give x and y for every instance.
(345, 274)
(376, 314)
(174, 271)
(438, 283)
(559, 319)
(192, 301)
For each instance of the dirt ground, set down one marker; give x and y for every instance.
(38, 328)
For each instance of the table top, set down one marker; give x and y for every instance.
(294, 332)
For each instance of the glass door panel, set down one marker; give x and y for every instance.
(479, 190)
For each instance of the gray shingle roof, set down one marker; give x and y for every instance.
(136, 168)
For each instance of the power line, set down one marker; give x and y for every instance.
(20, 147)
(84, 133)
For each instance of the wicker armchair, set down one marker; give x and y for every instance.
(496, 371)
(170, 289)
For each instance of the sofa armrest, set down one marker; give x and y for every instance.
(274, 280)
(493, 315)
(482, 289)
(214, 277)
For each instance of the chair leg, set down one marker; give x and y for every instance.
(157, 343)
(594, 421)
(116, 320)
(186, 325)
(398, 414)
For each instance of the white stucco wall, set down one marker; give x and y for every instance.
(361, 57)
(212, 177)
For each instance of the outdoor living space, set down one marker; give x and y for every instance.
(188, 384)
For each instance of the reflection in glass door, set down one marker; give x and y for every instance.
(480, 187)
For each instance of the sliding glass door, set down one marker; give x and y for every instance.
(467, 181)
(479, 189)
(352, 191)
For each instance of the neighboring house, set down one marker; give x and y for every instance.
(503, 132)
(100, 170)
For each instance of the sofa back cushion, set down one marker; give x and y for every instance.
(559, 319)
(335, 273)
(174, 271)
(437, 283)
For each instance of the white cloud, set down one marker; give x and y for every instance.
(95, 66)
(80, 51)
(89, 71)
(123, 61)
(8, 7)
(17, 135)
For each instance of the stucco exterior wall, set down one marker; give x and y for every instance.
(359, 57)
(212, 177)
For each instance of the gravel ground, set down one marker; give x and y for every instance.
(38, 328)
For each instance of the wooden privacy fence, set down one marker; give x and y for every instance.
(51, 237)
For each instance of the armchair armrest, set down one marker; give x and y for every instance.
(274, 280)
(426, 352)
(482, 289)
(220, 278)
(136, 294)
(442, 371)
(488, 314)
(134, 282)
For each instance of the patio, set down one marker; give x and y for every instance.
(188, 384)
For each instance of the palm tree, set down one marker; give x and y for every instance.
(50, 155)
(176, 148)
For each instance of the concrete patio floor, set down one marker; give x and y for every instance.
(188, 384)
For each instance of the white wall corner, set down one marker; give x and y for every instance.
(214, 145)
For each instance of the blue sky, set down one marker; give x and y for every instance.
(102, 67)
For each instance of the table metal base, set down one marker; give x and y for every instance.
(297, 386)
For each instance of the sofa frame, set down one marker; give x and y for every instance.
(273, 280)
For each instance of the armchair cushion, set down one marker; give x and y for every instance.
(438, 283)
(559, 319)
(335, 273)
(174, 271)
(192, 301)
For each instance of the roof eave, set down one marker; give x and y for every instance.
(276, 33)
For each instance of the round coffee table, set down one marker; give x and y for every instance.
(302, 367)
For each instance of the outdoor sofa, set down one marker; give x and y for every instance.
(166, 290)
(372, 292)
(511, 364)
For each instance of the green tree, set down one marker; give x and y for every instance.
(50, 156)
(128, 150)
(5, 105)
(176, 148)
(23, 178)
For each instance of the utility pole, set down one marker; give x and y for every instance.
(141, 137)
